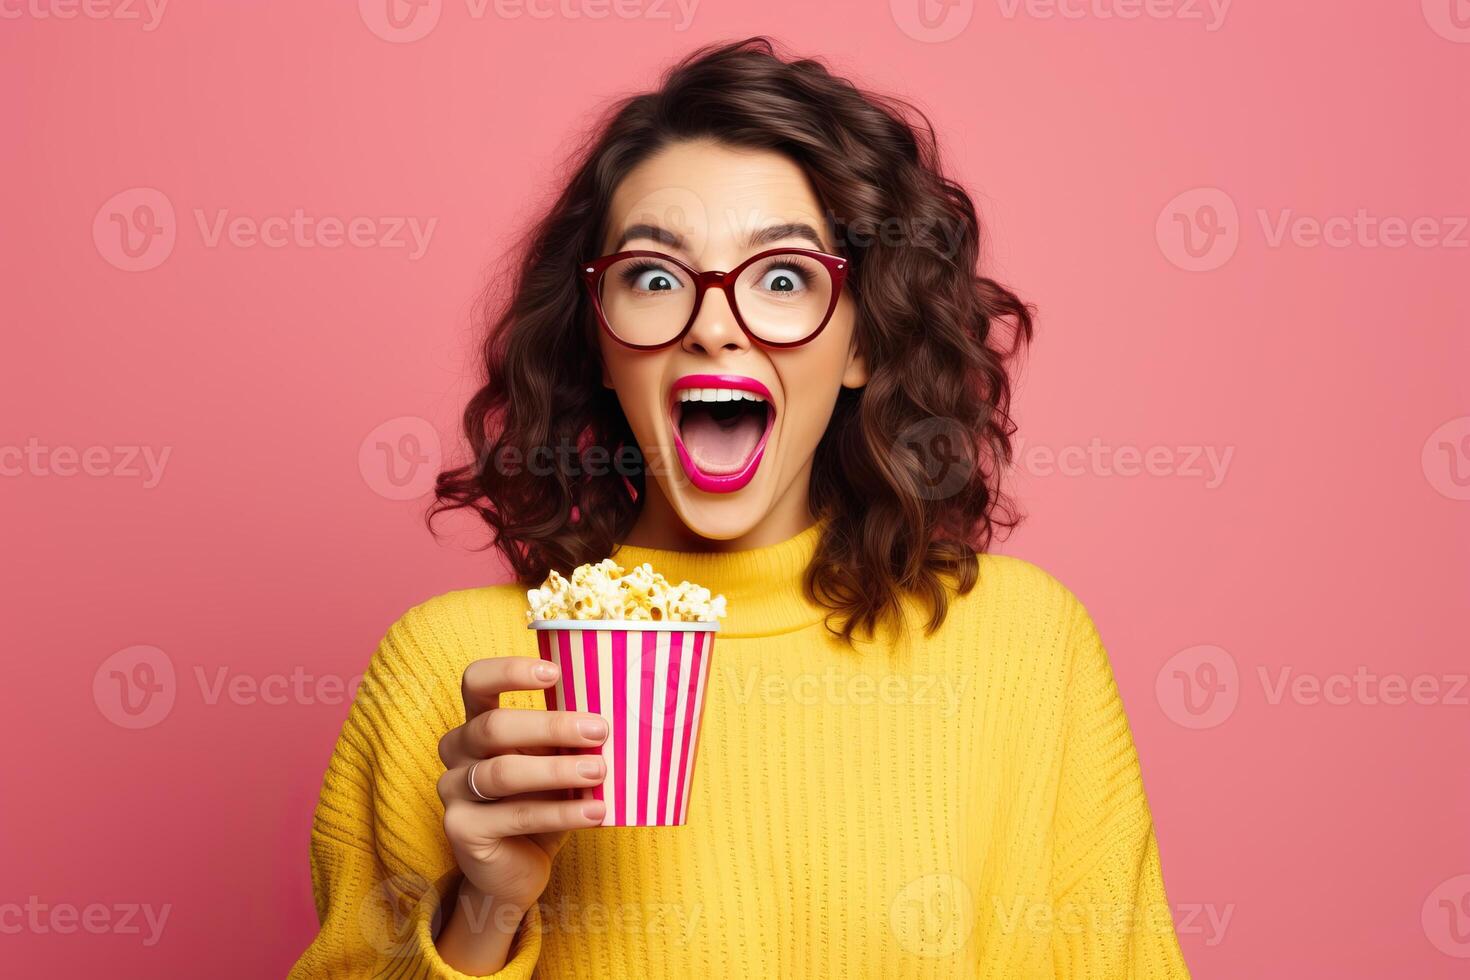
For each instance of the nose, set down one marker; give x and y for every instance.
(715, 328)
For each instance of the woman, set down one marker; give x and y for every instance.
(914, 761)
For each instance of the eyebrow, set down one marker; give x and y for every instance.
(791, 229)
(765, 236)
(655, 232)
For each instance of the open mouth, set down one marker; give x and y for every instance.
(721, 424)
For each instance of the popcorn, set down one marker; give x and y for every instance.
(605, 590)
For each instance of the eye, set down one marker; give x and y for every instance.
(784, 276)
(647, 276)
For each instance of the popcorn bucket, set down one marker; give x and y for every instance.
(648, 681)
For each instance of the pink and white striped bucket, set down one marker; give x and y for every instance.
(648, 681)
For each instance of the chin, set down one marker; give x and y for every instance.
(719, 517)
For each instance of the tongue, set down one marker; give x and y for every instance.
(720, 446)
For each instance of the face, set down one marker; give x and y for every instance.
(727, 426)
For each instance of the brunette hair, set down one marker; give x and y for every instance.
(937, 337)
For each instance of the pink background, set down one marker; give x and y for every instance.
(1327, 837)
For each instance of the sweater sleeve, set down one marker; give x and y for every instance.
(378, 905)
(1111, 917)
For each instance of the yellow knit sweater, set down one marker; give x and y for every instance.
(966, 804)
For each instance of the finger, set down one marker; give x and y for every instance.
(481, 822)
(520, 730)
(513, 775)
(503, 730)
(485, 680)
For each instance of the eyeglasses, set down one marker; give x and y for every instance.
(781, 297)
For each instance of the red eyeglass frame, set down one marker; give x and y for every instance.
(835, 265)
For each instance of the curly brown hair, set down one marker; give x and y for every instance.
(937, 337)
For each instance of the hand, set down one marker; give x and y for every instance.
(505, 848)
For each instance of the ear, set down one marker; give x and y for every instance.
(606, 377)
(855, 374)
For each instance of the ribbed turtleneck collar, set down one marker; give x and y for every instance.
(761, 586)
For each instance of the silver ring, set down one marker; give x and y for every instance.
(474, 789)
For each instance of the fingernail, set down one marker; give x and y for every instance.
(546, 672)
(589, 768)
(593, 728)
(594, 810)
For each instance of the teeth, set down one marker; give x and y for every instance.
(718, 395)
